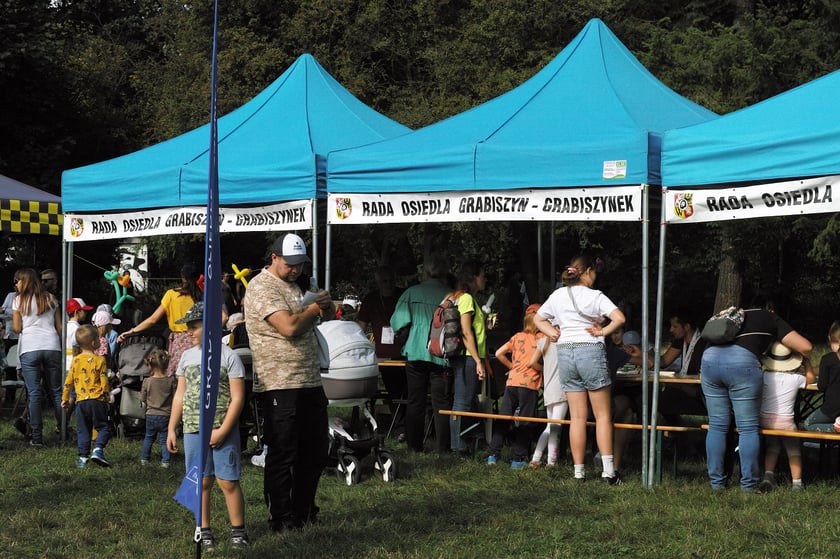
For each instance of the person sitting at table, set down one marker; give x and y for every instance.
(828, 382)
(785, 373)
(686, 344)
(683, 357)
(624, 349)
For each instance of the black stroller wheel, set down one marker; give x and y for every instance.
(348, 469)
(386, 466)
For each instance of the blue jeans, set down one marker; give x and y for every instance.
(818, 421)
(90, 415)
(157, 427)
(583, 367)
(732, 382)
(464, 390)
(35, 367)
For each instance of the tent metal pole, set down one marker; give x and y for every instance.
(552, 261)
(67, 282)
(646, 435)
(660, 289)
(314, 210)
(66, 290)
(540, 258)
(327, 266)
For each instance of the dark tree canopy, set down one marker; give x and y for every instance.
(86, 80)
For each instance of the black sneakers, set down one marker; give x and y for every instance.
(208, 542)
(615, 479)
(22, 427)
(238, 538)
(767, 483)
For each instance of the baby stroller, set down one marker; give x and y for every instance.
(131, 370)
(250, 419)
(350, 376)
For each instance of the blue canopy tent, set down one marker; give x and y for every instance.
(592, 104)
(580, 140)
(786, 137)
(775, 158)
(272, 149)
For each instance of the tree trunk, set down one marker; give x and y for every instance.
(730, 280)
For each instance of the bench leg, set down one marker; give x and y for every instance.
(659, 457)
(676, 441)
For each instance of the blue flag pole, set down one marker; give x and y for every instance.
(189, 493)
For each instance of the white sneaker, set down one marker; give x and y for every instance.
(259, 459)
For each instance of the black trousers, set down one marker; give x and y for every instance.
(422, 378)
(297, 435)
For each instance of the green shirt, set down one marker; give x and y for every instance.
(414, 310)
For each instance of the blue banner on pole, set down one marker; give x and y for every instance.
(189, 493)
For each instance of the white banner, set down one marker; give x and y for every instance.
(796, 197)
(288, 216)
(613, 203)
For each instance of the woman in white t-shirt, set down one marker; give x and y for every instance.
(36, 316)
(574, 319)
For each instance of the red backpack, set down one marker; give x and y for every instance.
(445, 337)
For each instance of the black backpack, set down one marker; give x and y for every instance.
(723, 327)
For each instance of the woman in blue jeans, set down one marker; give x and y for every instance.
(732, 383)
(37, 318)
(468, 370)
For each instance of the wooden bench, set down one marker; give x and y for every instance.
(661, 431)
(822, 436)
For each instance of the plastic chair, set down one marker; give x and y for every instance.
(20, 398)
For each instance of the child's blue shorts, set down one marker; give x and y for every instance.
(223, 462)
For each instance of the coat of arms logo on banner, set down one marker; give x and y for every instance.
(77, 227)
(343, 208)
(683, 205)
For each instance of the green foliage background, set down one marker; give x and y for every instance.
(86, 80)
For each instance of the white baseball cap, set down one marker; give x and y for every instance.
(291, 248)
(101, 318)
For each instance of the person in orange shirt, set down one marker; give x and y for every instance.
(521, 390)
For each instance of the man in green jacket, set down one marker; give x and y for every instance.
(424, 373)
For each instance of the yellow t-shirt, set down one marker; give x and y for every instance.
(176, 306)
(466, 304)
(89, 376)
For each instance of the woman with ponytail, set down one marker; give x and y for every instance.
(468, 369)
(575, 319)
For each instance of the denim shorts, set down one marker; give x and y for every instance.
(583, 366)
(223, 462)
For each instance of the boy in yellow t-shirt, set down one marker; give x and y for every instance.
(88, 376)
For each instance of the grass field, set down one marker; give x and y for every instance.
(438, 507)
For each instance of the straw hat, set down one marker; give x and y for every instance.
(780, 358)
